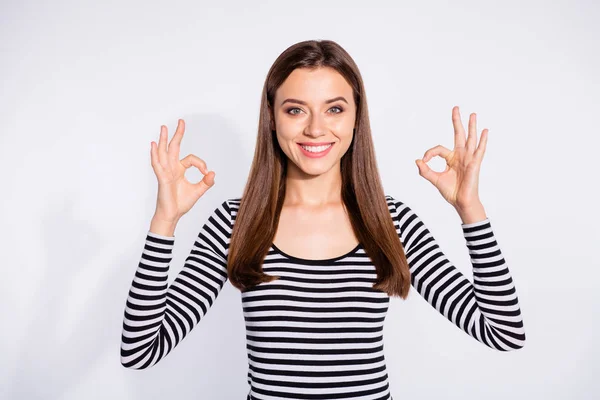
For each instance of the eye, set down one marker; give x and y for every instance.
(290, 110)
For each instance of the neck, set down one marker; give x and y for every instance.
(303, 189)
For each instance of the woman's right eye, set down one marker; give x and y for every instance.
(290, 109)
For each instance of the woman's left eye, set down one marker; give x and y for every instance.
(339, 108)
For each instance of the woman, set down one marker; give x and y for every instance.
(314, 245)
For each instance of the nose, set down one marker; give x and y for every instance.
(316, 126)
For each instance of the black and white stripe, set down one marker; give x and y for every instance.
(158, 317)
(317, 332)
(488, 309)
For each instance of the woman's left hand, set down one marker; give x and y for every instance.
(459, 182)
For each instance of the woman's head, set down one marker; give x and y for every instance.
(312, 72)
(313, 115)
(294, 110)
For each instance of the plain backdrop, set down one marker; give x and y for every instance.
(86, 85)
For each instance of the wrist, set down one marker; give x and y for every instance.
(474, 213)
(163, 227)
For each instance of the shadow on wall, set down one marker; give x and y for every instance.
(81, 297)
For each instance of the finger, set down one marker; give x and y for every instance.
(438, 150)
(199, 163)
(478, 155)
(426, 172)
(175, 143)
(472, 139)
(459, 130)
(206, 183)
(154, 158)
(162, 147)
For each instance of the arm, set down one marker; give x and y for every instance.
(157, 318)
(487, 310)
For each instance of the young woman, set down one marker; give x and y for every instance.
(314, 245)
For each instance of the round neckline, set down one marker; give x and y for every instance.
(315, 260)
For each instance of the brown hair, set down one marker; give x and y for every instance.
(362, 192)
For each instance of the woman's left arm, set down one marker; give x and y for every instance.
(488, 310)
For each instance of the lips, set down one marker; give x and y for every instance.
(315, 144)
(316, 155)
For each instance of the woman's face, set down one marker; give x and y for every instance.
(314, 117)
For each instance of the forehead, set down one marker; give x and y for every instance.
(314, 85)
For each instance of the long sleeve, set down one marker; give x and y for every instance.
(157, 318)
(487, 309)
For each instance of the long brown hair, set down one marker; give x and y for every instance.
(362, 192)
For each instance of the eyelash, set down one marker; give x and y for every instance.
(296, 108)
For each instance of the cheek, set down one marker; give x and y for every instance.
(284, 136)
(344, 128)
(347, 136)
(346, 143)
(285, 142)
(286, 129)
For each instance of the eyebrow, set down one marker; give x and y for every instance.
(304, 103)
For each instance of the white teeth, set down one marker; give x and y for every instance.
(315, 149)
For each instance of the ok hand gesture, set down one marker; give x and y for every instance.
(458, 183)
(176, 195)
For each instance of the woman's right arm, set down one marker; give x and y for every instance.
(158, 317)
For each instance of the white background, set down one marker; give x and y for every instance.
(85, 87)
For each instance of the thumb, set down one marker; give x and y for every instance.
(425, 171)
(206, 183)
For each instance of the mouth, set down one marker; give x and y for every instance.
(316, 151)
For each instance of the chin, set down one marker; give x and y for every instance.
(316, 170)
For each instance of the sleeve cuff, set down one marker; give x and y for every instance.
(476, 224)
(157, 236)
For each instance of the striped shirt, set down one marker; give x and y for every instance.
(317, 332)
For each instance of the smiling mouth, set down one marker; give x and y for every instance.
(315, 151)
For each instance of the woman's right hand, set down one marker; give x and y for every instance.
(176, 195)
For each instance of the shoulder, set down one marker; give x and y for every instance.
(393, 200)
(397, 207)
(231, 206)
(224, 212)
(232, 203)
(393, 203)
